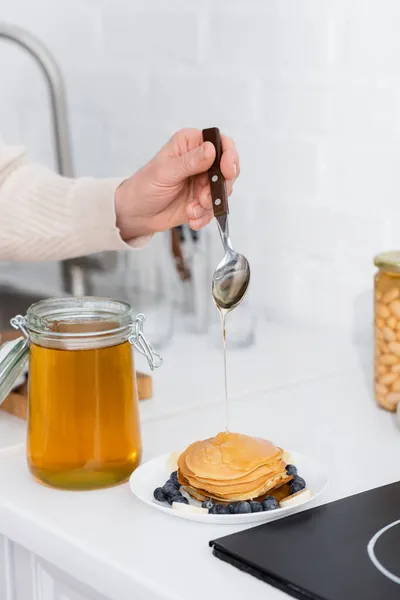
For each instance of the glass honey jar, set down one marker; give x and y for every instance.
(83, 417)
(387, 330)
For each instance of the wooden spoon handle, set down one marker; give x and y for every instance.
(215, 177)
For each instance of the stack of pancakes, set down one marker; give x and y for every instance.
(232, 467)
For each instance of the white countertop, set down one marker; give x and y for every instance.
(316, 400)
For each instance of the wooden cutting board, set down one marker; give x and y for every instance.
(16, 402)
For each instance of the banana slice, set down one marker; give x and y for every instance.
(188, 508)
(172, 461)
(295, 499)
(287, 458)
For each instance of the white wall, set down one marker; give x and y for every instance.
(310, 90)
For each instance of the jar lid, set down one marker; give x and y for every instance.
(13, 358)
(388, 261)
(14, 354)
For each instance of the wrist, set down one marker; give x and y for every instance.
(128, 219)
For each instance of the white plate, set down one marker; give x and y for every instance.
(155, 473)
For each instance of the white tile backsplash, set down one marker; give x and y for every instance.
(309, 89)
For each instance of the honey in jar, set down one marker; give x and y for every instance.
(83, 417)
(387, 330)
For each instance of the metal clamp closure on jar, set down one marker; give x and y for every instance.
(136, 338)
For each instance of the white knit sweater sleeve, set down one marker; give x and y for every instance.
(44, 216)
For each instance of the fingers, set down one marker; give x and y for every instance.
(202, 220)
(198, 160)
(195, 211)
(230, 168)
(230, 165)
(200, 183)
(205, 200)
(193, 157)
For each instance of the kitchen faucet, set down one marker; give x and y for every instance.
(75, 272)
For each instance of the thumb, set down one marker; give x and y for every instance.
(191, 163)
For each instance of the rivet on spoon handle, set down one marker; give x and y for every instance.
(217, 180)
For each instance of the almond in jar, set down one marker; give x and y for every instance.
(386, 330)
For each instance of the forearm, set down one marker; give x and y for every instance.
(44, 216)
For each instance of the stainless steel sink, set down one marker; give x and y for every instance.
(14, 302)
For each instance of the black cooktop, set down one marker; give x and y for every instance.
(345, 550)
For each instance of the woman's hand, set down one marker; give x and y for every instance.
(173, 188)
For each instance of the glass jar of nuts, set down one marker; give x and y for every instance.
(387, 330)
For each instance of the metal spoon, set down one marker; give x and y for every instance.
(232, 276)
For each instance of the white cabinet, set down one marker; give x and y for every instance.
(24, 576)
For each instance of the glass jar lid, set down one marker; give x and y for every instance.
(78, 323)
(388, 261)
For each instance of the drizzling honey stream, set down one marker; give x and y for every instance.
(223, 313)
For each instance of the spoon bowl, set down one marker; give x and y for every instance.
(230, 280)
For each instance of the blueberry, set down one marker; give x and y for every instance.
(297, 485)
(255, 506)
(220, 509)
(174, 479)
(270, 503)
(174, 497)
(208, 504)
(180, 499)
(169, 489)
(231, 508)
(291, 470)
(159, 494)
(241, 508)
(300, 480)
(174, 483)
